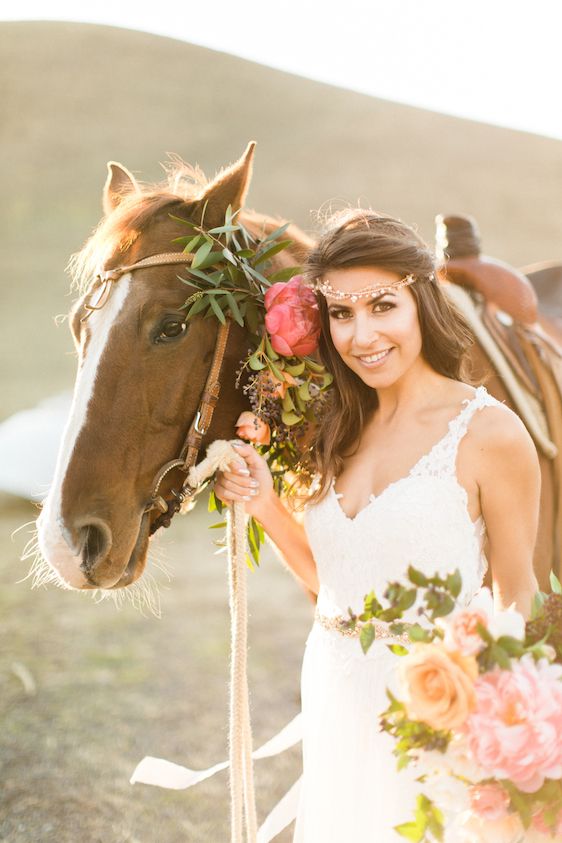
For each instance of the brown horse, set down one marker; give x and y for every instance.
(142, 373)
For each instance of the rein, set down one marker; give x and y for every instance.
(243, 807)
(207, 402)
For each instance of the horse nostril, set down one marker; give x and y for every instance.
(95, 540)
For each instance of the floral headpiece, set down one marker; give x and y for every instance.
(323, 285)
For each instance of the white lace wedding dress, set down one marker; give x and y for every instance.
(351, 789)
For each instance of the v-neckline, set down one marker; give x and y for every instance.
(373, 498)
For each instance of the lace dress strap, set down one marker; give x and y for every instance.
(441, 460)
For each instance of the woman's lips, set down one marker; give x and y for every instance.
(373, 361)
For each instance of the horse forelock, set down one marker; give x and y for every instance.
(120, 229)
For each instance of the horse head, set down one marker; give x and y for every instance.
(142, 369)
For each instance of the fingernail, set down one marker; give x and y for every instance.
(237, 443)
(254, 491)
(246, 498)
(254, 482)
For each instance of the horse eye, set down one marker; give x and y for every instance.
(171, 329)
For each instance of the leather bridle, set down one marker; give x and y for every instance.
(207, 402)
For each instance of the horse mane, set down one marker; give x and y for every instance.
(117, 231)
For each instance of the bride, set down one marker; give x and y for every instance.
(414, 466)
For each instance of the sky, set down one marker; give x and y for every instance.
(497, 61)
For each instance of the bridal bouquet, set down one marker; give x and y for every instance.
(480, 713)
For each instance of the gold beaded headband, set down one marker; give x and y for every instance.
(323, 286)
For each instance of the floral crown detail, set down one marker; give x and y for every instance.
(323, 285)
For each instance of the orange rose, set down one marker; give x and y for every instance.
(250, 427)
(273, 385)
(439, 686)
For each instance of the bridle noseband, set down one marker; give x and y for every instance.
(208, 400)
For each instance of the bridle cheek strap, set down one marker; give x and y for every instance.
(192, 444)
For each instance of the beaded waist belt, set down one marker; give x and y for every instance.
(339, 624)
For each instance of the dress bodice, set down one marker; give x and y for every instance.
(421, 520)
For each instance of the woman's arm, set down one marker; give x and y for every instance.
(250, 481)
(510, 481)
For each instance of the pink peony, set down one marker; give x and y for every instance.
(292, 318)
(490, 801)
(515, 731)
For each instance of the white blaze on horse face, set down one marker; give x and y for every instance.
(51, 541)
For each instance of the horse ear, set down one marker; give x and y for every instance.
(229, 187)
(118, 184)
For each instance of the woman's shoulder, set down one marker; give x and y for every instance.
(497, 433)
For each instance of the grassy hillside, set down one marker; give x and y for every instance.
(76, 95)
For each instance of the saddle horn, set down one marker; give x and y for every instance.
(458, 244)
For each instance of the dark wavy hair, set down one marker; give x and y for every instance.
(366, 239)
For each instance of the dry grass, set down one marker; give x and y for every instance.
(86, 690)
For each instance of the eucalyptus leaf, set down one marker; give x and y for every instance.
(201, 254)
(278, 232)
(271, 353)
(398, 649)
(366, 637)
(255, 363)
(234, 308)
(224, 229)
(210, 260)
(192, 243)
(314, 366)
(290, 418)
(276, 371)
(287, 402)
(555, 583)
(295, 369)
(217, 311)
(454, 583)
(197, 306)
(261, 257)
(304, 392)
(284, 274)
(229, 256)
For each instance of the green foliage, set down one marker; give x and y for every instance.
(228, 276)
(427, 825)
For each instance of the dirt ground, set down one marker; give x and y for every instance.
(87, 690)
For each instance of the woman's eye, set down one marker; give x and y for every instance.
(378, 307)
(171, 329)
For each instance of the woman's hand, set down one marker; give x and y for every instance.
(249, 480)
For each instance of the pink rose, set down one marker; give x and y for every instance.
(515, 731)
(490, 801)
(292, 318)
(250, 427)
(461, 632)
(538, 822)
(508, 829)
